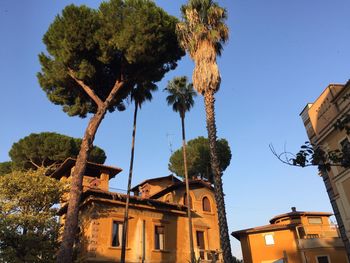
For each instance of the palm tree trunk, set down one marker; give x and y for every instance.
(190, 232)
(337, 215)
(65, 253)
(126, 212)
(209, 101)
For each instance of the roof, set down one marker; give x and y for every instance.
(134, 200)
(295, 214)
(182, 184)
(275, 227)
(329, 87)
(171, 177)
(266, 228)
(91, 168)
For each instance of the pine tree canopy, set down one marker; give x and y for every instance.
(198, 158)
(133, 41)
(48, 148)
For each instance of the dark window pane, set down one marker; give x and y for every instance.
(116, 233)
(322, 259)
(159, 237)
(206, 204)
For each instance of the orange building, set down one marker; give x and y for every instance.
(158, 223)
(319, 119)
(295, 237)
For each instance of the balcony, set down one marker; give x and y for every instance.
(318, 236)
(208, 255)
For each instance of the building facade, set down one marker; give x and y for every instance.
(157, 224)
(295, 237)
(319, 119)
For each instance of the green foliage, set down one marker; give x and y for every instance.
(180, 95)
(28, 226)
(313, 155)
(142, 92)
(46, 149)
(123, 40)
(5, 167)
(198, 158)
(309, 155)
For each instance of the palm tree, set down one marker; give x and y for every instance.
(181, 99)
(202, 33)
(139, 94)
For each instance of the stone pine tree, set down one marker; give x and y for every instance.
(139, 94)
(48, 149)
(93, 59)
(202, 33)
(180, 97)
(198, 158)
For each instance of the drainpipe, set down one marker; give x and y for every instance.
(143, 241)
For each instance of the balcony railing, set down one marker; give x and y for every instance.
(318, 236)
(317, 231)
(208, 255)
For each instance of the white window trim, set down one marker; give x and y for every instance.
(266, 241)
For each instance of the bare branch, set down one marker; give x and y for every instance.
(33, 163)
(86, 88)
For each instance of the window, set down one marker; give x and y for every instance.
(314, 220)
(269, 239)
(117, 232)
(200, 243)
(322, 259)
(206, 204)
(185, 200)
(159, 237)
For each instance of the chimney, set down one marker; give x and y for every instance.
(294, 209)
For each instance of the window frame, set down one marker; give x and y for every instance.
(120, 235)
(156, 237)
(209, 204)
(314, 218)
(268, 242)
(318, 256)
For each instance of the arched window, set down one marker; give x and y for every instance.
(206, 204)
(185, 200)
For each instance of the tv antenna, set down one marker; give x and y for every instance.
(170, 142)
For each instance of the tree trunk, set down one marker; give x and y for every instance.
(209, 101)
(337, 215)
(65, 253)
(190, 232)
(126, 212)
(71, 223)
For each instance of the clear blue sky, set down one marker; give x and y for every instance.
(280, 56)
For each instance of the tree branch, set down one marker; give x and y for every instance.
(86, 88)
(117, 86)
(33, 163)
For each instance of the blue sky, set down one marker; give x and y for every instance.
(280, 56)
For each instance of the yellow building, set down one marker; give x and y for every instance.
(158, 224)
(295, 237)
(319, 118)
